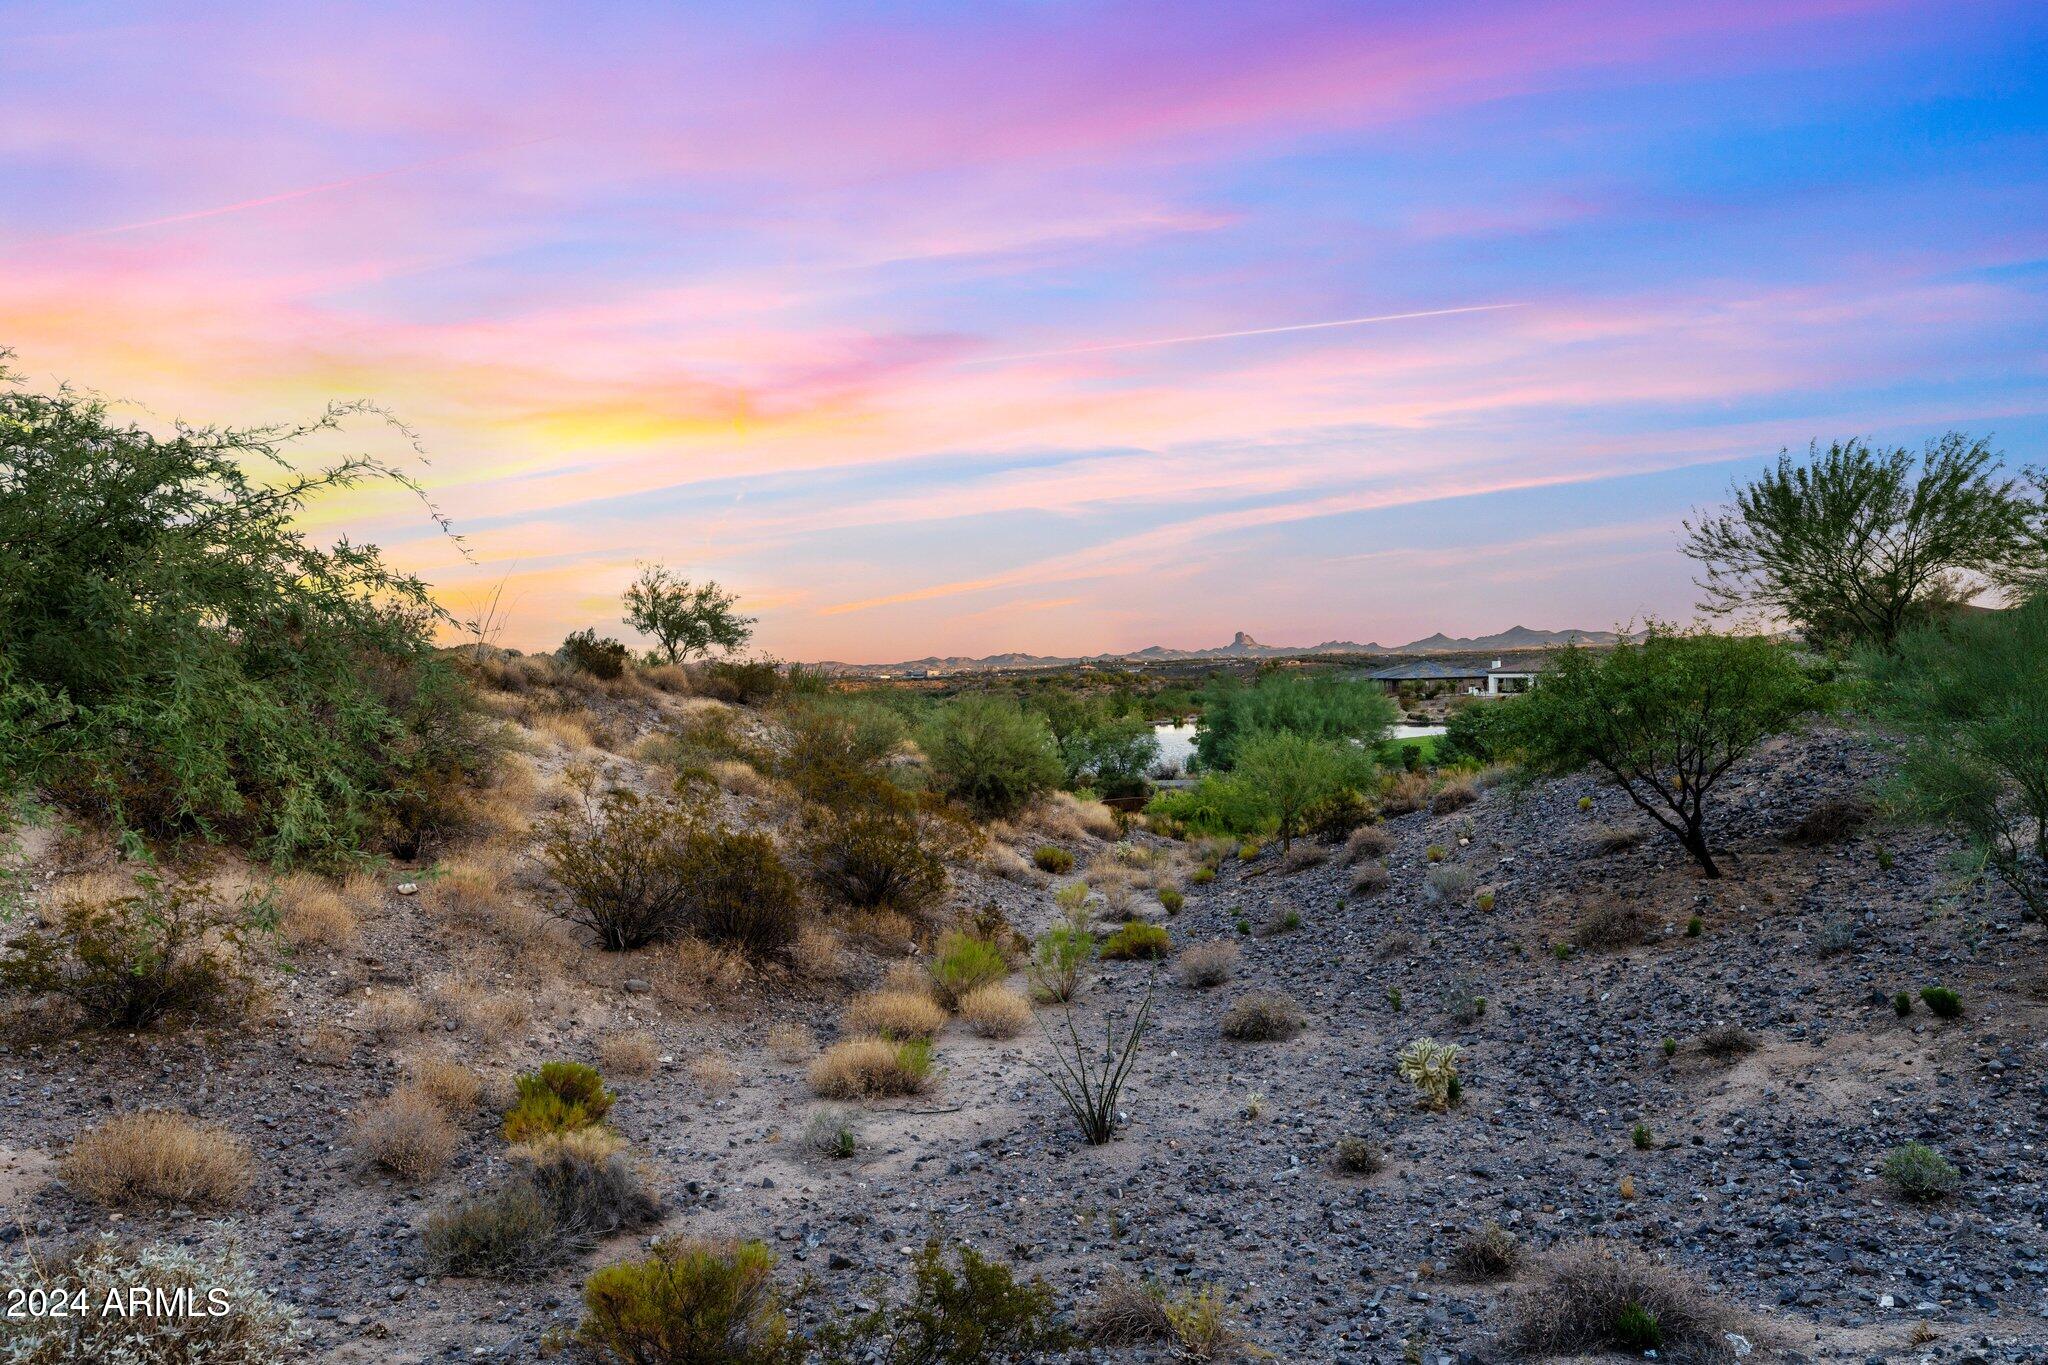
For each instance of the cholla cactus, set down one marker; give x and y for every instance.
(1432, 1068)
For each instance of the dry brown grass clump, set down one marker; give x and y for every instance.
(470, 886)
(565, 731)
(449, 1084)
(1064, 816)
(817, 955)
(995, 1011)
(1405, 794)
(390, 1012)
(694, 971)
(1613, 924)
(1303, 856)
(743, 779)
(1611, 839)
(714, 1074)
(1367, 841)
(1488, 1252)
(1203, 965)
(408, 1133)
(155, 1157)
(1126, 1313)
(1831, 820)
(481, 1010)
(1370, 879)
(1727, 1042)
(895, 1013)
(1455, 794)
(1598, 1295)
(312, 913)
(790, 1043)
(1262, 1018)
(630, 1052)
(866, 1068)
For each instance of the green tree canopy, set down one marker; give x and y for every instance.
(1097, 741)
(991, 754)
(1665, 718)
(175, 655)
(685, 618)
(1289, 775)
(1857, 544)
(1326, 708)
(1970, 700)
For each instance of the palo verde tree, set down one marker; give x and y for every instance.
(685, 618)
(1289, 775)
(176, 656)
(1858, 544)
(1665, 718)
(1335, 709)
(1970, 699)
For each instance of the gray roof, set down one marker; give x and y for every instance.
(1425, 672)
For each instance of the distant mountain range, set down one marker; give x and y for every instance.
(1241, 646)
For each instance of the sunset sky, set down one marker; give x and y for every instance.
(906, 321)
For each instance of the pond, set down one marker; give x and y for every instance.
(1177, 741)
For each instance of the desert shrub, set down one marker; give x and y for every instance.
(1613, 924)
(743, 682)
(589, 1185)
(689, 1301)
(169, 950)
(637, 872)
(1902, 1004)
(1971, 699)
(1203, 1327)
(1726, 1042)
(990, 754)
(561, 1097)
(1462, 1005)
(631, 1052)
(1665, 718)
(1137, 942)
(1606, 840)
(176, 657)
(407, 1134)
(253, 1328)
(995, 1011)
(1370, 879)
(836, 750)
(600, 658)
(1092, 1086)
(1357, 1156)
(1367, 842)
(1831, 820)
(1448, 884)
(979, 1314)
(1336, 816)
(1171, 900)
(1327, 710)
(1204, 965)
(1262, 1018)
(1432, 1068)
(1198, 1322)
(895, 1014)
(1202, 876)
(1454, 795)
(962, 961)
(1300, 858)
(878, 856)
(1286, 775)
(154, 1157)
(1488, 1252)
(1404, 793)
(832, 1133)
(311, 913)
(1057, 959)
(872, 1068)
(508, 1231)
(1127, 1312)
(1837, 935)
(1597, 1295)
(1919, 1172)
(1942, 1002)
(1052, 858)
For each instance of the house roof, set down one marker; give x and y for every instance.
(1425, 671)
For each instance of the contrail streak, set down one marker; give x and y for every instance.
(1247, 332)
(281, 197)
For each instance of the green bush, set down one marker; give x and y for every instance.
(606, 659)
(169, 950)
(690, 1303)
(1666, 718)
(977, 1315)
(839, 750)
(1057, 959)
(561, 1097)
(961, 962)
(1098, 745)
(1942, 1002)
(1335, 711)
(1920, 1172)
(1971, 699)
(1279, 783)
(1138, 942)
(743, 682)
(991, 755)
(1902, 1004)
(1052, 858)
(637, 872)
(1171, 900)
(883, 854)
(177, 658)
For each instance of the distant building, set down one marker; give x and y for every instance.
(1495, 680)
